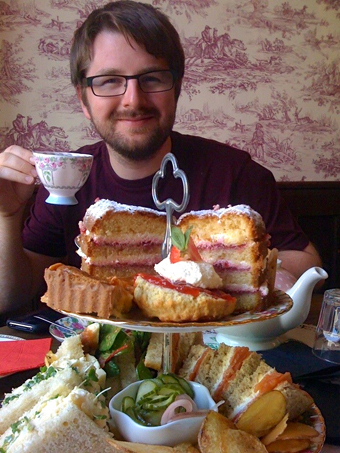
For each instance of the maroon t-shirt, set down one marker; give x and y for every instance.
(217, 175)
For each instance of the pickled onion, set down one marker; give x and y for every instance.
(181, 401)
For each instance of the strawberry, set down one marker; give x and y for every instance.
(175, 254)
(183, 247)
(194, 254)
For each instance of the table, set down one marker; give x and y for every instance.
(7, 383)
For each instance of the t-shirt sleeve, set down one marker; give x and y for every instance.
(257, 187)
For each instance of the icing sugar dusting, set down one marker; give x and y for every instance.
(102, 206)
(241, 209)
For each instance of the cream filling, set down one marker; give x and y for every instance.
(200, 274)
(243, 289)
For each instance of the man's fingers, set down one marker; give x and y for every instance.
(15, 165)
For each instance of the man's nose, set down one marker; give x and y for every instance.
(133, 94)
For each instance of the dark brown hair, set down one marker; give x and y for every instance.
(143, 23)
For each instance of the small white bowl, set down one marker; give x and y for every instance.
(62, 174)
(171, 434)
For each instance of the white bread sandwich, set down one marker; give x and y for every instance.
(238, 377)
(181, 344)
(70, 423)
(70, 368)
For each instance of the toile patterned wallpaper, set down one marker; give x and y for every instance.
(261, 75)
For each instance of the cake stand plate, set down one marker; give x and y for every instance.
(135, 320)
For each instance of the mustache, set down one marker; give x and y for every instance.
(131, 114)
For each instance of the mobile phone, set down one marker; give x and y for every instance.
(28, 323)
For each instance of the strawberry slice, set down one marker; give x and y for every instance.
(183, 247)
(175, 255)
(193, 253)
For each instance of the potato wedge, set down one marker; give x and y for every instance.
(288, 446)
(218, 435)
(275, 432)
(263, 414)
(132, 447)
(211, 431)
(296, 430)
(185, 448)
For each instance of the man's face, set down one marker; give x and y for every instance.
(135, 124)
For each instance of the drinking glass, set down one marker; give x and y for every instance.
(327, 335)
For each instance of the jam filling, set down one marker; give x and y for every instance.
(185, 288)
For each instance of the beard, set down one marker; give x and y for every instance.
(140, 144)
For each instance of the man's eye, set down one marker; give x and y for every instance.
(151, 80)
(112, 81)
(109, 81)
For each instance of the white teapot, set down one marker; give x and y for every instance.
(269, 333)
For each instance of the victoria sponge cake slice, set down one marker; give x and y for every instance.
(119, 239)
(235, 241)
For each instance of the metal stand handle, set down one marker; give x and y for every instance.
(169, 205)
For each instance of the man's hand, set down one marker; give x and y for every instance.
(17, 178)
(297, 262)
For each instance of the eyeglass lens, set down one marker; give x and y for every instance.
(116, 85)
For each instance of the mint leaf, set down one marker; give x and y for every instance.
(180, 239)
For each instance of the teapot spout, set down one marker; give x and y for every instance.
(301, 294)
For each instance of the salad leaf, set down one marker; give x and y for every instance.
(141, 339)
(111, 369)
(142, 371)
(107, 336)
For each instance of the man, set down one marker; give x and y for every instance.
(206, 42)
(18, 129)
(258, 141)
(127, 65)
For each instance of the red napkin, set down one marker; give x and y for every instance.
(23, 355)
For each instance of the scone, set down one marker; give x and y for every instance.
(158, 297)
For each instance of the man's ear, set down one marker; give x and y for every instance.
(82, 104)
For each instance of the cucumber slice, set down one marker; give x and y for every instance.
(154, 399)
(159, 405)
(157, 381)
(136, 417)
(127, 402)
(186, 386)
(168, 378)
(175, 388)
(170, 389)
(147, 388)
(152, 418)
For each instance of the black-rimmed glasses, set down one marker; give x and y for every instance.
(116, 85)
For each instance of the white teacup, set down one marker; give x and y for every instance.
(62, 174)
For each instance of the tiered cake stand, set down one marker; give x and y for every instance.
(135, 319)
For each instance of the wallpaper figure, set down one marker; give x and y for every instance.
(261, 75)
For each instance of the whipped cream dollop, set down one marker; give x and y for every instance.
(202, 275)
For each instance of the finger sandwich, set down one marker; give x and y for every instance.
(238, 376)
(70, 369)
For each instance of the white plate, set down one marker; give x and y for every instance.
(71, 322)
(4, 337)
(135, 320)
